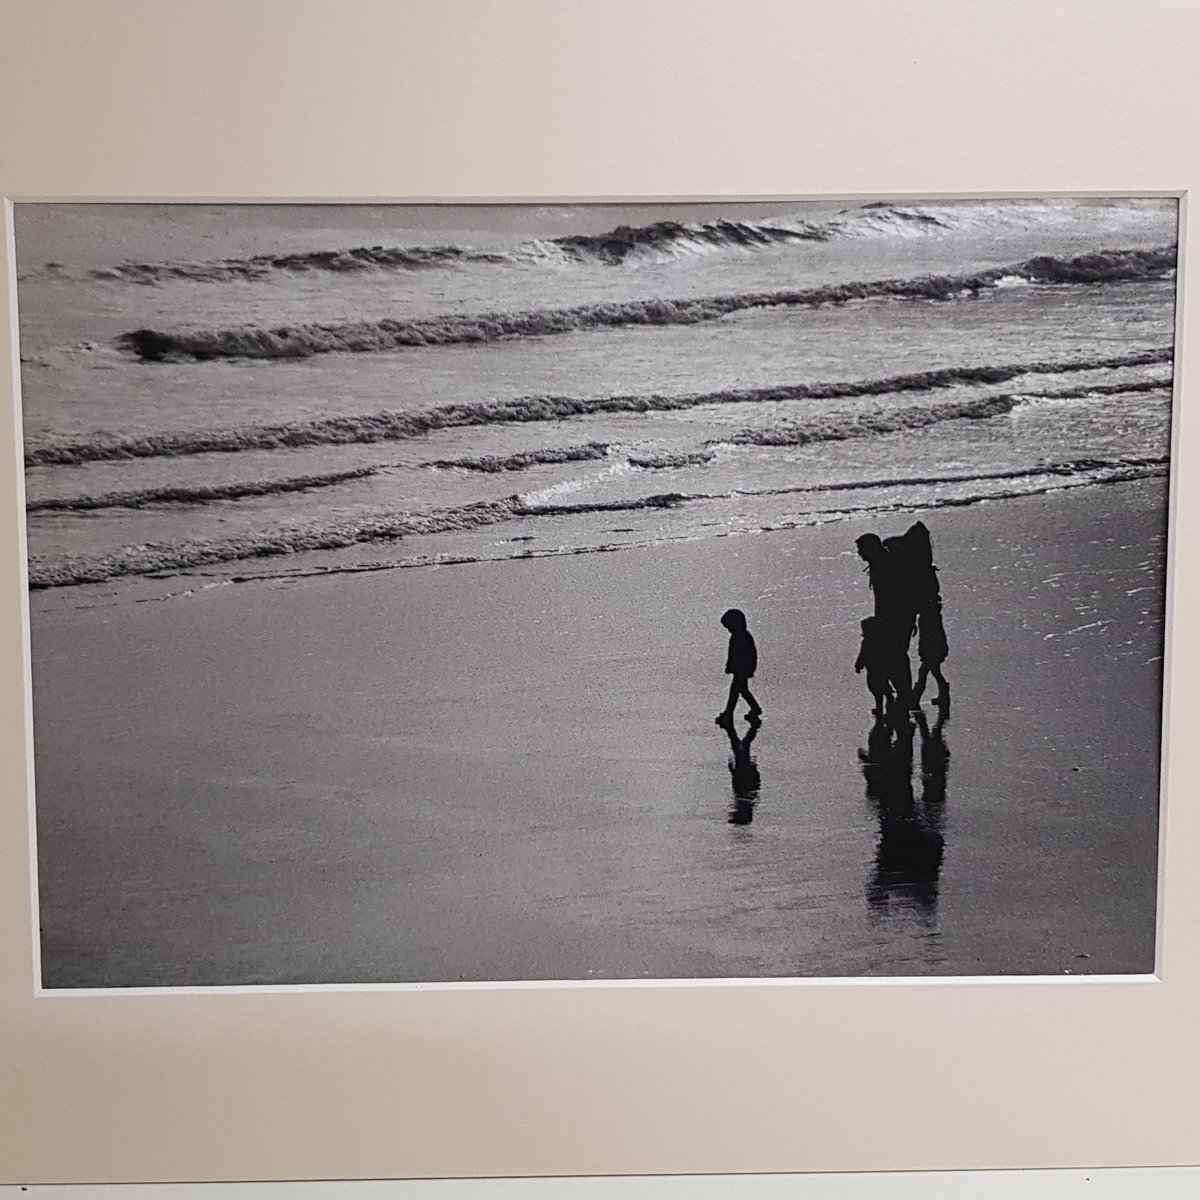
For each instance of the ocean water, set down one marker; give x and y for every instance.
(219, 394)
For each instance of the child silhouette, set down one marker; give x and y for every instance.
(873, 658)
(741, 663)
(932, 646)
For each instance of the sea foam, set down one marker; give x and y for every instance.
(362, 337)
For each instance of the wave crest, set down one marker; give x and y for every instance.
(456, 329)
(159, 559)
(151, 497)
(400, 426)
(840, 426)
(671, 460)
(656, 241)
(495, 464)
(266, 266)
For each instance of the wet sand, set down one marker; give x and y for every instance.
(510, 770)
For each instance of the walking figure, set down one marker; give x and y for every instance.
(895, 612)
(873, 658)
(741, 663)
(932, 649)
(932, 646)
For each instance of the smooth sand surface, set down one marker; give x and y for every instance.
(510, 770)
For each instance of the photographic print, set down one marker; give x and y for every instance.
(451, 593)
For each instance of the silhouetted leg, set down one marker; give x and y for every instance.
(726, 715)
(919, 686)
(943, 696)
(894, 653)
(902, 681)
(755, 707)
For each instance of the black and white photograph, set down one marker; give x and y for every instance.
(444, 593)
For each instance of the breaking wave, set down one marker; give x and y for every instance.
(669, 461)
(154, 559)
(264, 266)
(678, 238)
(495, 464)
(150, 497)
(657, 241)
(669, 238)
(524, 459)
(305, 341)
(1071, 468)
(159, 559)
(399, 426)
(840, 427)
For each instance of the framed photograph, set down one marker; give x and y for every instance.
(383, 593)
(518, 657)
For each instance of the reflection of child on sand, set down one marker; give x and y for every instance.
(743, 774)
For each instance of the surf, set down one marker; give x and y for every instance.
(160, 559)
(399, 426)
(458, 329)
(625, 245)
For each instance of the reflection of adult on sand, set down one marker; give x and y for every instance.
(744, 775)
(934, 759)
(908, 858)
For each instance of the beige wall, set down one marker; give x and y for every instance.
(369, 99)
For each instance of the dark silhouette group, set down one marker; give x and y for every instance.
(908, 600)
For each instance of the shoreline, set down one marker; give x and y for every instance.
(313, 564)
(547, 798)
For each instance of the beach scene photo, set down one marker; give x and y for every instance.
(439, 594)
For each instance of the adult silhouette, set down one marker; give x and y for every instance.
(895, 611)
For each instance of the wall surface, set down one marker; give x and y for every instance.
(373, 99)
